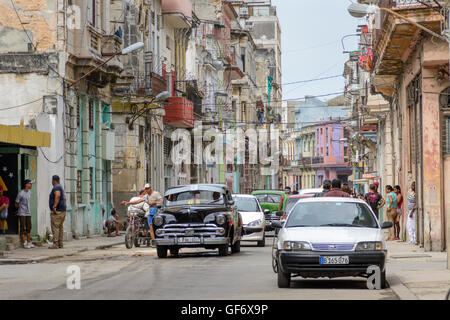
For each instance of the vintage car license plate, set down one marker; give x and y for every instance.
(334, 260)
(189, 240)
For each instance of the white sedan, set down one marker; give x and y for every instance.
(330, 237)
(252, 218)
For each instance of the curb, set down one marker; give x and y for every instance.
(400, 290)
(106, 246)
(40, 259)
(48, 258)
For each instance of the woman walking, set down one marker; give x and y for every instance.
(398, 192)
(412, 206)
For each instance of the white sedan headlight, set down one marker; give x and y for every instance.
(369, 246)
(296, 246)
(255, 223)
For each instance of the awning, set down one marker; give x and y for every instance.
(24, 137)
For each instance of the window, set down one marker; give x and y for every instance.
(79, 113)
(79, 188)
(92, 183)
(244, 111)
(91, 114)
(327, 151)
(243, 59)
(93, 12)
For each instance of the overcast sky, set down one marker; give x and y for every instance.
(311, 44)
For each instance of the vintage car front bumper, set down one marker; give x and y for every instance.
(202, 234)
(203, 241)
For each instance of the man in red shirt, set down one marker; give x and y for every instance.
(336, 190)
(4, 205)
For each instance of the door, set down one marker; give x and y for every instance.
(9, 165)
(29, 171)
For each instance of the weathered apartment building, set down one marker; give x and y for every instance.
(315, 147)
(404, 74)
(103, 121)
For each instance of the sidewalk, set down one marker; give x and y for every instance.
(414, 274)
(40, 254)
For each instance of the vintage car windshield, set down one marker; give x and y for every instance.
(197, 197)
(331, 214)
(268, 198)
(246, 204)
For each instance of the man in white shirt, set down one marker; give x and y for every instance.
(153, 198)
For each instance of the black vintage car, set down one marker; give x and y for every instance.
(199, 215)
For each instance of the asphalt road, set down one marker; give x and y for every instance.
(118, 273)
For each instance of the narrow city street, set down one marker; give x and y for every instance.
(119, 273)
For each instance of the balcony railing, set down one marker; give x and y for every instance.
(317, 160)
(146, 85)
(179, 113)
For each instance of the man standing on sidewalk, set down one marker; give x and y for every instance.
(24, 213)
(57, 203)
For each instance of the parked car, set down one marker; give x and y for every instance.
(253, 218)
(199, 215)
(270, 200)
(329, 237)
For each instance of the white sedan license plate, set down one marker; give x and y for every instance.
(334, 260)
(189, 240)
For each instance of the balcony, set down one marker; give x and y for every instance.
(177, 13)
(394, 42)
(179, 113)
(142, 86)
(327, 161)
(236, 67)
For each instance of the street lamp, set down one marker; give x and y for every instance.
(360, 10)
(127, 50)
(163, 96)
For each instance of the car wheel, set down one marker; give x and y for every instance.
(236, 247)
(161, 251)
(262, 243)
(383, 280)
(174, 251)
(284, 279)
(223, 250)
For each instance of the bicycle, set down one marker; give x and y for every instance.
(138, 231)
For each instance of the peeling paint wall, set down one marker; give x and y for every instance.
(39, 19)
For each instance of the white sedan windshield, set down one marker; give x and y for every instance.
(331, 214)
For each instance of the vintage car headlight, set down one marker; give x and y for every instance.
(159, 232)
(255, 223)
(158, 221)
(296, 246)
(220, 219)
(369, 246)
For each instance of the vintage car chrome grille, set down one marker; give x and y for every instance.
(190, 229)
(333, 246)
